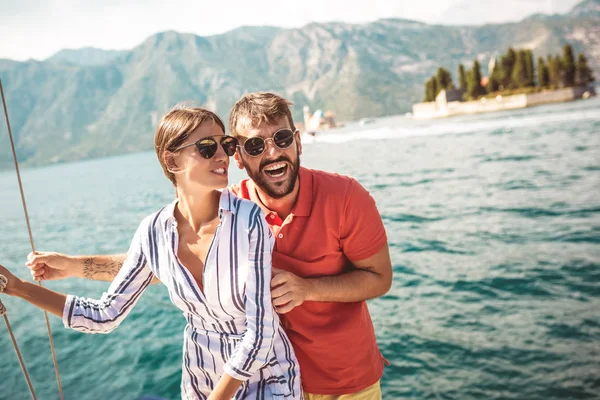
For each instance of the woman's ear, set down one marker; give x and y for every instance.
(169, 160)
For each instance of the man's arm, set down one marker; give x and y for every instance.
(53, 266)
(371, 277)
(363, 241)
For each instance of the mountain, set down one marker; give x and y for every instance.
(86, 56)
(586, 8)
(68, 110)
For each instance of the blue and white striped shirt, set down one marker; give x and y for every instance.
(231, 326)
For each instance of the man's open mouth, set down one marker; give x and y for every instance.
(276, 170)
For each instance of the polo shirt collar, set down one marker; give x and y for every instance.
(305, 195)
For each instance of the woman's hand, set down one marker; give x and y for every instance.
(12, 281)
(48, 266)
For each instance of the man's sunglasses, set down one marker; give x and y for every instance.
(207, 147)
(255, 146)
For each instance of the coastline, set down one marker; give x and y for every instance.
(442, 108)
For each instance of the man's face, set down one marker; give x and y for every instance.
(275, 171)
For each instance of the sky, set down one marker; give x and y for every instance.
(39, 28)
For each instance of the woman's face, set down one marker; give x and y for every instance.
(192, 170)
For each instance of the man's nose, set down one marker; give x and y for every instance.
(270, 146)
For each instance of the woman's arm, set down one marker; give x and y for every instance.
(42, 297)
(253, 351)
(88, 315)
(47, 265)
(107, 313)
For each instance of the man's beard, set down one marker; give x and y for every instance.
(280, 189)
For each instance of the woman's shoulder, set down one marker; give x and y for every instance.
(245, 210)
(237, 204)
(158, 219)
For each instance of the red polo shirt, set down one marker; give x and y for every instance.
(334, 222)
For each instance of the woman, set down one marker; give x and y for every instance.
(213, 252)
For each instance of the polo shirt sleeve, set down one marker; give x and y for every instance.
(362, 231)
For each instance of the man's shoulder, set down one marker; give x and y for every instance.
(325, 182)
(241, 189)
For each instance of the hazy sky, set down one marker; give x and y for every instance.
(39, 28)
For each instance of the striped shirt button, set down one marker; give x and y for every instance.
(280, 235)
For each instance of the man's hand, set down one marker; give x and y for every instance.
(47, 266)
(288, 291)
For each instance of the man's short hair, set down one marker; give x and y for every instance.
(256, 108)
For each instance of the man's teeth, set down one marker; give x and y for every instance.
(219, 171)
(276, 170)
(275, 166)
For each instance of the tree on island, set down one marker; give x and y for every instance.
(519, 74)
(444, 79)
(495, 77)
(554, 71)
(530, 69)
(462, 77)
(543, 75)
(507, 63)
(516, 71)
(583, 75)
(568, 64)
(474, 88)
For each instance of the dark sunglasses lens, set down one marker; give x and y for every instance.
(229, 145)
(207, 148)
(284, 138)
(254, 146)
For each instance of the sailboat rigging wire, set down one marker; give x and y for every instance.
(12, 145)
(3, 282)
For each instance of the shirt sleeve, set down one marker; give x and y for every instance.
(362, 231)
(106, 314)
(257, 341)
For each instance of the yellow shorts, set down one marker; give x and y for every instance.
(373, 392)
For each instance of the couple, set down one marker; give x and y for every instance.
(307, 244)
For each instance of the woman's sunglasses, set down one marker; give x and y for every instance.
(256, 146)
(207, 147)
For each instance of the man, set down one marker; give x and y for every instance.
(330, 253)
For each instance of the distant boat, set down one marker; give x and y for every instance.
(365, 121)
(318, 121)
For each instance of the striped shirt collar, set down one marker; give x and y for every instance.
(226, 203)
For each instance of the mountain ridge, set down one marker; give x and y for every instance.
(62, 111)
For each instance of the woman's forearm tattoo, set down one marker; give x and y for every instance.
(101, 268)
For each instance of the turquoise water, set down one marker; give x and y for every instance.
(494, 231)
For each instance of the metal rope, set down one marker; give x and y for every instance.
(3, 283)
(12, 144)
